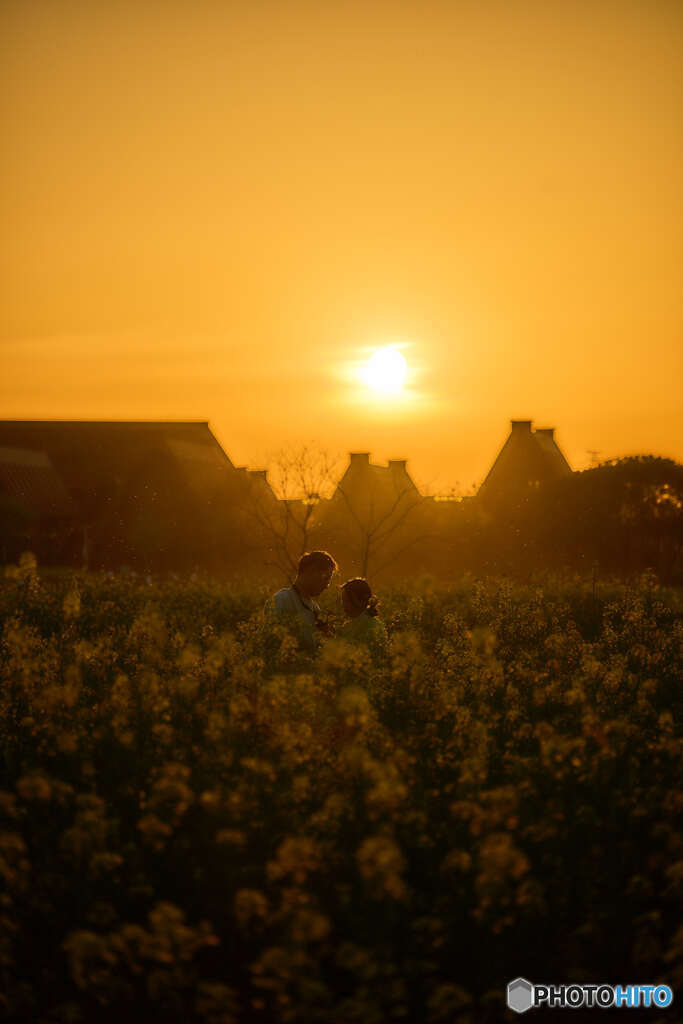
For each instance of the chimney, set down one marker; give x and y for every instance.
(261, 473)
(398, 465)
(520, 426)
(359, 458)
(548, 432)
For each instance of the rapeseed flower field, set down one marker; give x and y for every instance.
(199, 823)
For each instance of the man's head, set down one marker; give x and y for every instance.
(315, 572)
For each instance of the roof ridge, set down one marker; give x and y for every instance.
(109, 423)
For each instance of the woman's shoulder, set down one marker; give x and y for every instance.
(375, 628)
(360, 624)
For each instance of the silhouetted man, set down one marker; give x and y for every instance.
(295, 604)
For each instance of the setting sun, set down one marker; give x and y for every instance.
(385, 371)
(288, 219)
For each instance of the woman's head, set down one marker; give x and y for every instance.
(357, 597)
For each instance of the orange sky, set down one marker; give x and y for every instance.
(215, 210)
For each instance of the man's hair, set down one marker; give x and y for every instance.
(317, 560)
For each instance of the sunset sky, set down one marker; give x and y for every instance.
(220, 210)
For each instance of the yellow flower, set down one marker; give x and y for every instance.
(34, 787)
(71, 605)
(354, 706)
(296, 857)
(231, 837)
(381, 864)
(250, 904)
(310, 926)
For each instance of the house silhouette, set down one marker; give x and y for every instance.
(371, 492)
(106, 493)
(528, 459)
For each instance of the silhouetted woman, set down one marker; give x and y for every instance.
(364, 625)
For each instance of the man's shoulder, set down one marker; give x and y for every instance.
(284, 598)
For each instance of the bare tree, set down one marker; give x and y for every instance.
(286, 512)
(378, 523)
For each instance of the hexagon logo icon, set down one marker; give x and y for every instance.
(520, 995)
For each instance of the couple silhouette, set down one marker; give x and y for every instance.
(296, 606)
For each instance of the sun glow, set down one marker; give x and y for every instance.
(385, 371)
